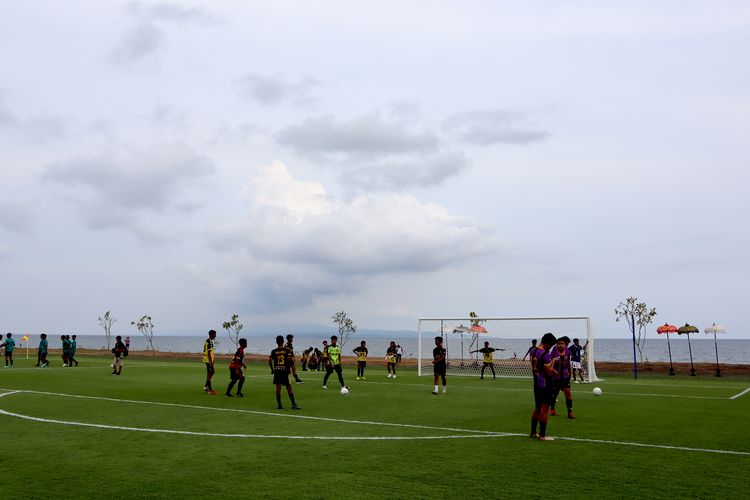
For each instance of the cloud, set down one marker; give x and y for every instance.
(297, 222)
(4, 251)
(35, 128)
(298, 243)
(369, 135)
(139, 41)
(14, 217)
(270, 90)
(112, 188)
(146, 35)
(490, 127)
(402, 174)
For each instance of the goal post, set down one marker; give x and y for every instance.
(511, 337)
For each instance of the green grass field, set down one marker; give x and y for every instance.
(658, 437)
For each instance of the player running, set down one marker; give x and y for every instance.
(439, 366)
(333, 362)
(290, 346)
(391, 356)
(543, 372)
(488, 359)
(361, 353)
(120, 352)
(575, 359)
(235, 370)
(561, 382)
(209, 357)
(9, 345)
(280, 362)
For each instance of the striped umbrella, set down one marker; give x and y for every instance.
(667, 328)
(687, 330)
(714, 329)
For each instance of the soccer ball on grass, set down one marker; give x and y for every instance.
(344, 391)
(597, 391)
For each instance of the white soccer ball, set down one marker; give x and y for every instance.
(344, 391)
(597, 391)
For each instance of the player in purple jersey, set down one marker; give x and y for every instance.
(543, 371)
(561, 360)
(531, 349)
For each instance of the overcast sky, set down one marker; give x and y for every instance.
(286, 160)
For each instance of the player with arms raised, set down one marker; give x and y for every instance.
(575, 359)
(488, 359)
(543, 372)
(439, 366)
(280, 362)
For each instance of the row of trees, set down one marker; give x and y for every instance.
(233, 328)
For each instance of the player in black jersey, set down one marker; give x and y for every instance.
(280, 361)
(289, 340)
(439, 366)
(235, 370)
(361, 353)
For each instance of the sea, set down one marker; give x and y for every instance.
(731, 351)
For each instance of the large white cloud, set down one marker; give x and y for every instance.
(298, 222)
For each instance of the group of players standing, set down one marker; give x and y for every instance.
(553, 363)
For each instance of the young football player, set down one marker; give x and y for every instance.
(280, 361)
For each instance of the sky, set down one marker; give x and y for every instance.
(395, 160)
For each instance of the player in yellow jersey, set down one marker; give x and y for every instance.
(390, 359)
(333, 352)
(361, 353)
(488, 358)
(209, 357)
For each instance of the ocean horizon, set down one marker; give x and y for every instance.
(731, 351)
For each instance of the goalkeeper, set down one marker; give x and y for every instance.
(488, 359)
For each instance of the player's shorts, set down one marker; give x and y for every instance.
(281, 377)
(439, 368)
(488, 363)
(362, 363)
(576, 365)
(235, 373)
(563, 383)
(542, 395)
(118, 362)
(210, 368)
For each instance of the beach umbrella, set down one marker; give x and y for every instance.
(687, 330)
(714, 329)
(478, 329)
(667, 328)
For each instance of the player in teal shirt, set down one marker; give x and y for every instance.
(9, 345)
(41, 357)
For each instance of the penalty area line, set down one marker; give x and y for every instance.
(740, 394)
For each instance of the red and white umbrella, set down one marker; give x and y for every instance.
(667, 328)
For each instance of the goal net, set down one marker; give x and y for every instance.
(511, 337)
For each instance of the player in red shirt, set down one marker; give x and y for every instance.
(235, 370)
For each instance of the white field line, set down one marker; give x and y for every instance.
(674, 386)
(481, 434)
(740, 393)
(657, 395)
(252, 412)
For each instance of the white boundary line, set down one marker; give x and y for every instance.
(252, 412)
(478, 433)
(666, 395)
(740, 393)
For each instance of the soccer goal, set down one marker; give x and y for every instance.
(510, 336)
